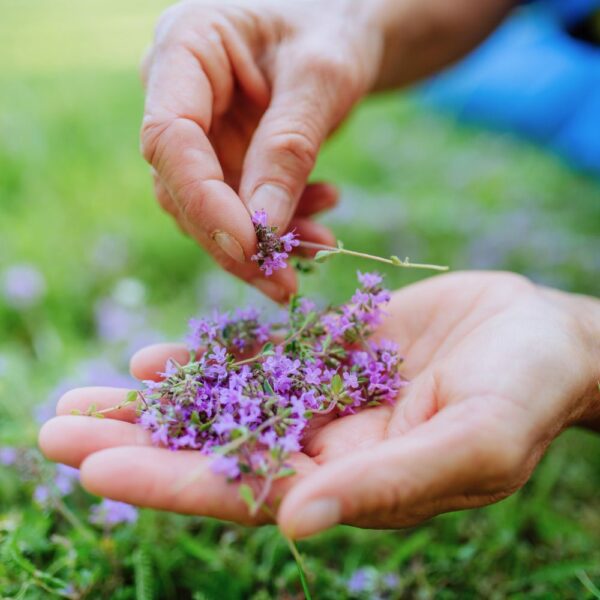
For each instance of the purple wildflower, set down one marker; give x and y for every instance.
(273, 251)
(41, 495)
(368, 582)
(359, 581)
(23, 286)
(8, 456)
(370, 280)
(226, 465)
(110, 513)
(66, 479)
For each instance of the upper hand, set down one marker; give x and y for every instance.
(498, 368)
(240, 97)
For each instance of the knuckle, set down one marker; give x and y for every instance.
(186, 22)
(167, 204)
(152, 132)
(331, 66)
(299, 146)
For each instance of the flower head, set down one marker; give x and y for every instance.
(110, 513)
(272, 250)
(23, 286)
(8, 456)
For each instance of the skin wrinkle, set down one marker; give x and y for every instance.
(223, 86)
(244, 67)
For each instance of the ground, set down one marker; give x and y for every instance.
(76, 202)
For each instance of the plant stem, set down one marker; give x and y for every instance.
(300, 564)
(295, 553)
(388, 261)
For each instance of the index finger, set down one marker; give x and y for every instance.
(178, 114)
(181, 481)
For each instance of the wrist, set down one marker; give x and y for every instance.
(585, 313)
(420, 37)
(589, 316)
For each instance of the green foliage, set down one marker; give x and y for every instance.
(72, 187)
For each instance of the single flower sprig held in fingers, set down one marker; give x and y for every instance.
(247, 401)
(273, 251)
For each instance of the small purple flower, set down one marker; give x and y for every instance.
(370, 280)
(8, 456)
(23, 286)
(66, 479)
(226, 465)
(273, 251)
(359, 581)
(259, 218)
(117, 323)
(41, 495)
(110, 513)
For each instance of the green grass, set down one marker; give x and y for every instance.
(72, 187)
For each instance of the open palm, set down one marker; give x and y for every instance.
(485, 354)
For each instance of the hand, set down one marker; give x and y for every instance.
(240, 97)
(498, 368)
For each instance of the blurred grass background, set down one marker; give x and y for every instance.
(76, 204)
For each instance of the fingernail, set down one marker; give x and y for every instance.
(274, 200)
(229, 245)
(270, 288)
(316, 516)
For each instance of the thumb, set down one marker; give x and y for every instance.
(400, 481)
(305, 107)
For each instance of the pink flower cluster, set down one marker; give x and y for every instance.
(272, 250)
(248, 401)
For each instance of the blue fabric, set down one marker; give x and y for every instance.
(532, 78)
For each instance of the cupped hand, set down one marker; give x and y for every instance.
(498, 368)
(240, 97)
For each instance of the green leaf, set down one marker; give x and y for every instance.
(268, 349)
(144, 574)
(132, 397)
(268, 388)
(337, 385)
(238, 432)
(247, 495)
(396, 261)
(285, 472)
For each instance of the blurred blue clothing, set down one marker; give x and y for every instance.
(532, 77)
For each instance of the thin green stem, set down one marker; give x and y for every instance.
(396, 262)
(70, 516)
(247, 361)
(588, 583)
(295, 553)
(300, 564)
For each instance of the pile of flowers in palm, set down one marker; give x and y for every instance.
(252, 387)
